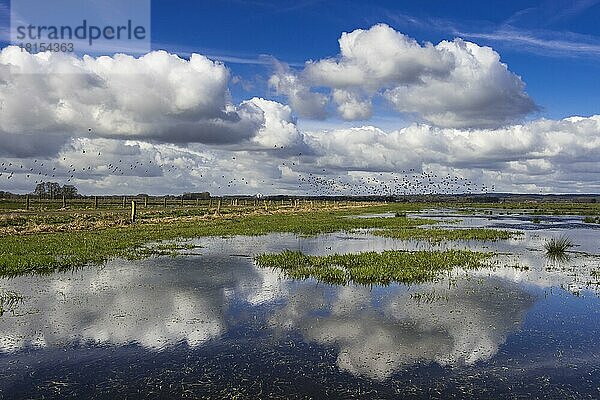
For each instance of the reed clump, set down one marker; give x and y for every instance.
(557, 247)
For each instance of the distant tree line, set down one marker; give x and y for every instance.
(6, 195)
(53, 190)
(197, 195)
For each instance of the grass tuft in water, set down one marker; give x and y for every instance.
(373, 268)
(557, 247)
(9, 300)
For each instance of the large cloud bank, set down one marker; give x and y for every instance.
(543, 155)
(163, 124)
(454, 84)
(158, 97)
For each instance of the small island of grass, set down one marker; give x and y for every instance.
(373, 268)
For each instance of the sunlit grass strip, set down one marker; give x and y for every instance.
(373, 268)
(439, 234)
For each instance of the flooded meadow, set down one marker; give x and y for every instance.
(212, 322)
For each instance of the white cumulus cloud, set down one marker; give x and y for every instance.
(452, 84)
(157, 97)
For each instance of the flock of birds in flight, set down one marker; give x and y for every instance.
(320, 181)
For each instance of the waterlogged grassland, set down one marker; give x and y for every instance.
(46, 242)
(383, 268)
(540, 208)
(48, 252)
(438, 234)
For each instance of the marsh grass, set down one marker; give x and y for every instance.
(539, 208)
(29, 222)
(383, 268)
(9, 300)
(162, 249)
(429, 297)
(592, 220)
(556, 248)
(438, 234)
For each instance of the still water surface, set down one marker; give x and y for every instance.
(212, 324)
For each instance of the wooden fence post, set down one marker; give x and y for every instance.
(96, 202)
(165, 202)
(133, 211)
(64, 201)
(218, 210)
(27, 202)
(145, 201)
(124, 199)
(181, 200)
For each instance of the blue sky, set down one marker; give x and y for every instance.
(563, 81)
(559, 63)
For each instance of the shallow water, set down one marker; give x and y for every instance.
(212, 324)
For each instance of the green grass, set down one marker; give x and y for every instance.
(373, 268)
(437, 234)
(591, 220)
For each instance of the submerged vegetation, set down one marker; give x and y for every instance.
(371, 267)
(591, 220)
(9, 300)
(436, 234)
